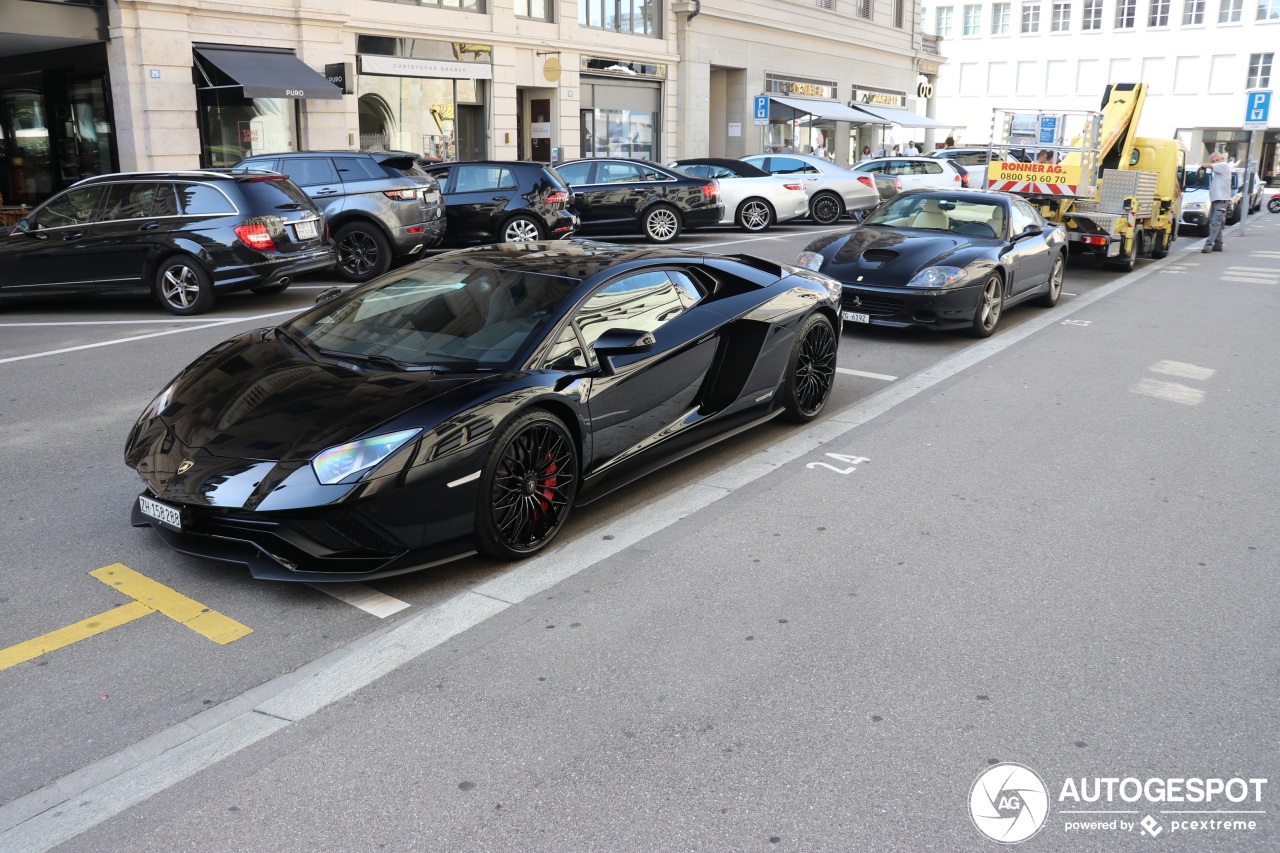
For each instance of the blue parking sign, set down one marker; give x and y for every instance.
(1257, 112)
(762, 109)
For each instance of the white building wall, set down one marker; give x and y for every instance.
(1197, 72)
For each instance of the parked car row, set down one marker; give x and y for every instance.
(189, 236)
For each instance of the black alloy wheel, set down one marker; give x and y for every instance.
(363, 253)
(811, 371)
(990, 303)
(527, 487)
(825, 208)
(183, 286)
(1050, 297)
(755, 214)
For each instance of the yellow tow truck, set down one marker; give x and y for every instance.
(1118, 194)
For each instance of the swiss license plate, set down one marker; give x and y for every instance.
(855, 318)
(306, 229)
(168, 516)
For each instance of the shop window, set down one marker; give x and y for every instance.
(442, 118)
(539, 10)
(233, 127)
(641, 17)
(619, 133)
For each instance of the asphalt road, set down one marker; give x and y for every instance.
(1059, 551)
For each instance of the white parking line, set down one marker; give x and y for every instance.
(361, 596)
(114, 322)
(210, 325)
(863, 373)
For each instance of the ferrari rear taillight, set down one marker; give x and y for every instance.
(557, 197)
(255, 236)
(870, 182)
(794, 186)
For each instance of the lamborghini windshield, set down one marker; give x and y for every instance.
(443, 316)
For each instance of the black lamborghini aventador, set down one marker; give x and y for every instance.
(467, 402)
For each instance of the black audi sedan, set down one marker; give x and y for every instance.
(467, 402)
(953, 259)
(184, 236)
(503, 201)
(615, 194)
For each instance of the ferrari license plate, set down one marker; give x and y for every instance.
(855, 318)
(167, 516)
(305, 229)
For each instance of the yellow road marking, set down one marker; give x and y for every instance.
(148, 597)
(53, 640)
(170, 602)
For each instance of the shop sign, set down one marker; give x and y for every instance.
(342, 75)
(402, 66)
(878, 96)
(803, 88)
(540, 129)
(1035, 173)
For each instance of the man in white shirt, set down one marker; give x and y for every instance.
(912, 150)
(1219, 195)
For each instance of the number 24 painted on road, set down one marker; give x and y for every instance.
(851, 461)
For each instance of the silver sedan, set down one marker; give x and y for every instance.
(753, 200)
(832, 189)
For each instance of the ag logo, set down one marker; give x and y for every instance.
(1008, 803)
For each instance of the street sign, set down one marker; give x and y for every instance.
(1257, 109)
(1048, 130)
(762, 109)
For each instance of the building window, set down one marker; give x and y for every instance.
(942, 21)
(1159, 14)
(1193, 13)
(899, 12)
(1031, 17)
(464, 5)
(864, 9)
(972, 20)
(826, 4)
(1126, 12)
(1259, 71)
(1229, 11)
(539, 10)
(1092, 19)
(641, 17)
(1060, 21)
(1269, 10)
(1000, 18)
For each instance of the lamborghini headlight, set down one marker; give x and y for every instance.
(345, 460)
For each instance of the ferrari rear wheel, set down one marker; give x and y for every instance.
(1050, 297)
(811, 371)
(527, 487)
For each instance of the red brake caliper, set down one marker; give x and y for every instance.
(548, 483)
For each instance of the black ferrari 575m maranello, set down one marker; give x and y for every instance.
(467, 402)
(944, 259)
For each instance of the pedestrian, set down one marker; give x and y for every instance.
(1045, 156)
(866, 153)
(912, 150)
(1219, 195)
(786, 147)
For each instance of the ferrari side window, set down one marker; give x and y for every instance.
(643, 302)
